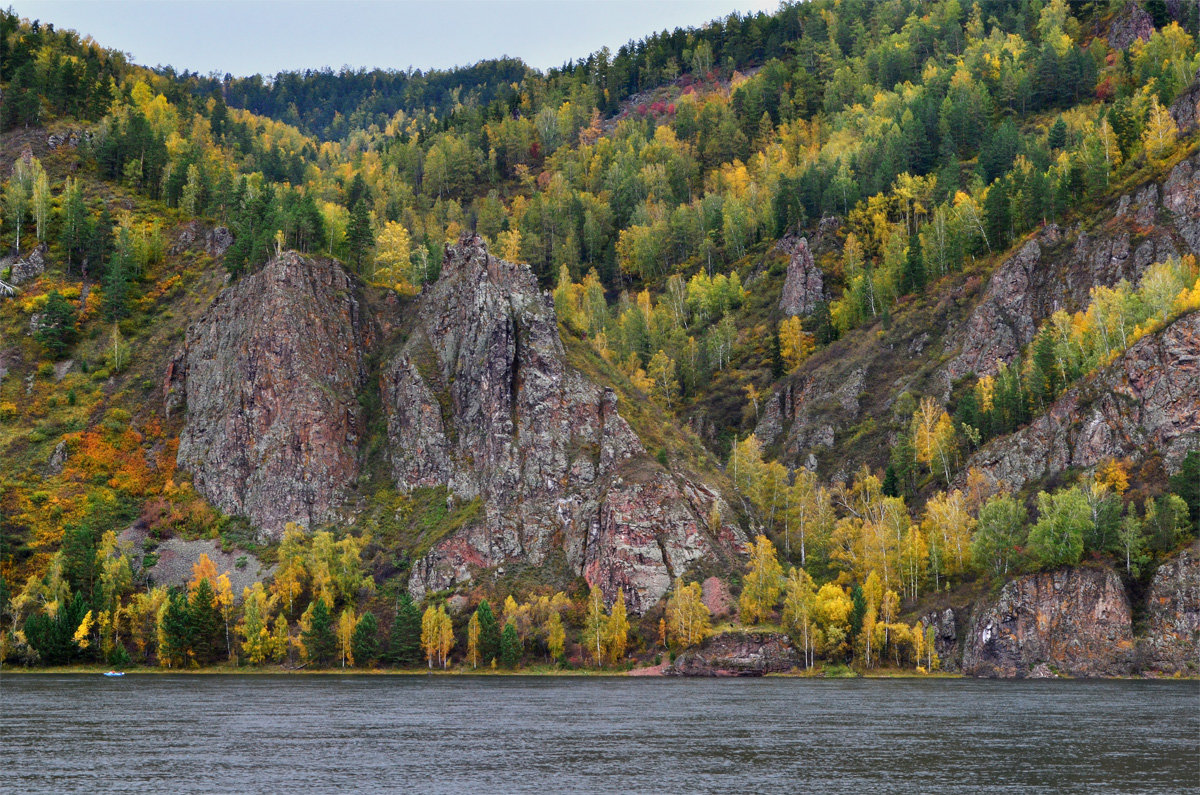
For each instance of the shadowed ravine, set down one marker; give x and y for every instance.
(528, 734)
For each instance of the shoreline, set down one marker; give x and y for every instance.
(645, 672)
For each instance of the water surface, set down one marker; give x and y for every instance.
(479, 735)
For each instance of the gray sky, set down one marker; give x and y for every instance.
(248, 36)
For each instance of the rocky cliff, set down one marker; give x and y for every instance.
(738, 654)
(1072, 621)
(1172, 640)
(480, 400)
(1057, 268)
(270, 376)
(1149, 399)
(803, 288)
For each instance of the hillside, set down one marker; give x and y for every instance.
(905, 291)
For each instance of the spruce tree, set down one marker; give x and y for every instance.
(205, 622)
(56, 330)
(489, 633)
(359, 237)
(320, 641)
(510, 646)
(404, 640)
(365, 641)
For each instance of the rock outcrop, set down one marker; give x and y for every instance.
(945, 638)
(1149, 399)
(1172, 640)
(1057, 269)
(1074, 621)
(30, 267)
(803, 288)
(1131, 24)
(738, 654)
(213, 241)
(270, 376)
(1185, 110)
(480, 400)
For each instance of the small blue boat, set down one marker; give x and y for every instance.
(114, 673)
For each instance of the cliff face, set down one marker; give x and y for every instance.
(480, 400)
(1147, 400)
(1058, 268)
(1073, 621)
(1172, 641)
(270, 376)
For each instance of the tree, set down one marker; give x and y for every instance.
(999, 533)
(762, 584)
(205, 619)
(346, 624)
(359, 237)
(445, 636)
(489, 632)
(831, 614)
(795, 344)
(257, 606)
(473, 640)
(56, 329)
(556, 635)
(404, 640)
(800, 594)
(593, 627)
(688, 618)
(320, 640)
(616, 630)
(393, 252)
(429, 634)
(1063, 519)
(16, 205)
(510, 646)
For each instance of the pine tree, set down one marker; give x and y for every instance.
(206, 623)
(365, 642)
(320, 640)
(56, 330)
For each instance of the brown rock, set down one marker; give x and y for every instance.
(1074, 621)
(1172, 641)
(1130, 25)
(738, 654)
(270, 375)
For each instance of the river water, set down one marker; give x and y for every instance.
(482, 735)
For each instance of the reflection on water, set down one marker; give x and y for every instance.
(524, 734)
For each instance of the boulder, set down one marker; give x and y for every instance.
(1075, 621)
(738, 654)
(1131, 24)
(269, 376)
(31, 267)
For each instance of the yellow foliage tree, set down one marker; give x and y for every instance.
(763, 582)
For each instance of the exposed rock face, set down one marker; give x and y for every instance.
(806, 403)
(738, 654)
(1057, 270)
(270, 375)
(1130, 25)
(1172, 641)
(1149, 399)
(480, 400)
(945, 637)
(803, 289)
(33, 266)
(1185, 110)
(215, 242)
(1075, 621)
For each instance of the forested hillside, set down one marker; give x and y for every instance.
(906, 291)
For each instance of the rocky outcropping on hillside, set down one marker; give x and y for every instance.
(738, 654)
(1131, 24)
(803, 288)
(1074, 621)
(946, 636)
(1147, 400)
(1057, 269)
(270, 376)
(29, 267)
(1185, 110)
(1172, 641)
(480, 400)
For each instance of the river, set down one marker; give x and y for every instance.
(482, 735)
